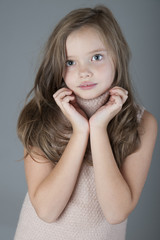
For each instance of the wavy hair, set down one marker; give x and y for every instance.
(42, 124)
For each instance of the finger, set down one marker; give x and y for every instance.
(118, 100)
(118, 90)
(62, 99)
(61, 96)
(68, 99)
(61, 91)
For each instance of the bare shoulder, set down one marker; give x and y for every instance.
(36, 164)
(148, 116)
(148, 125)
(148, 134)
(36, 155)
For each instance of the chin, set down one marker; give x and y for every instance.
(87, 96)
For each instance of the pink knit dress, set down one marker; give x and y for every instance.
(82, 219)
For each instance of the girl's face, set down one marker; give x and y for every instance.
(90, 69)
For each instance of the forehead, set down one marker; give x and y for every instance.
(84, 39)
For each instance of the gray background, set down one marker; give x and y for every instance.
(24, 28)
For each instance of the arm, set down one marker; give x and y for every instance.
(50, 188)
(118, 191)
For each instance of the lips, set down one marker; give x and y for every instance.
(87, 85)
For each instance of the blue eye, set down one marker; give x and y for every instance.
(69, 63)
(97, 57)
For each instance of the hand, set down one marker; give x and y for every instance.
(65, 99)
(103, 116)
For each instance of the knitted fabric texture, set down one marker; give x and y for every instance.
(82, 219)
(90, 106)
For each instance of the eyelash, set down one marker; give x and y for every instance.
(99, 57)
(68, 63)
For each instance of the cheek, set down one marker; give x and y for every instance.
(108, 72)
(69, 72)
(68, 78)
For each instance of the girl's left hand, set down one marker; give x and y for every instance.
(103, 116)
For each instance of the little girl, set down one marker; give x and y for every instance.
(88, 144)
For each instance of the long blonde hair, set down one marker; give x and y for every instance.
(42, 124)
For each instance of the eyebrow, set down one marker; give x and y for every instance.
(98, 50)
(93, 51)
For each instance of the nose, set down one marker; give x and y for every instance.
(85, 72)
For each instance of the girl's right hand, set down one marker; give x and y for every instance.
(65, 99)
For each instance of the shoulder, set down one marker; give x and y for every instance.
(149, 123)
(148, 128)
(36, 155)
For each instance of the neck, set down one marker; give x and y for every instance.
(90, 106)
